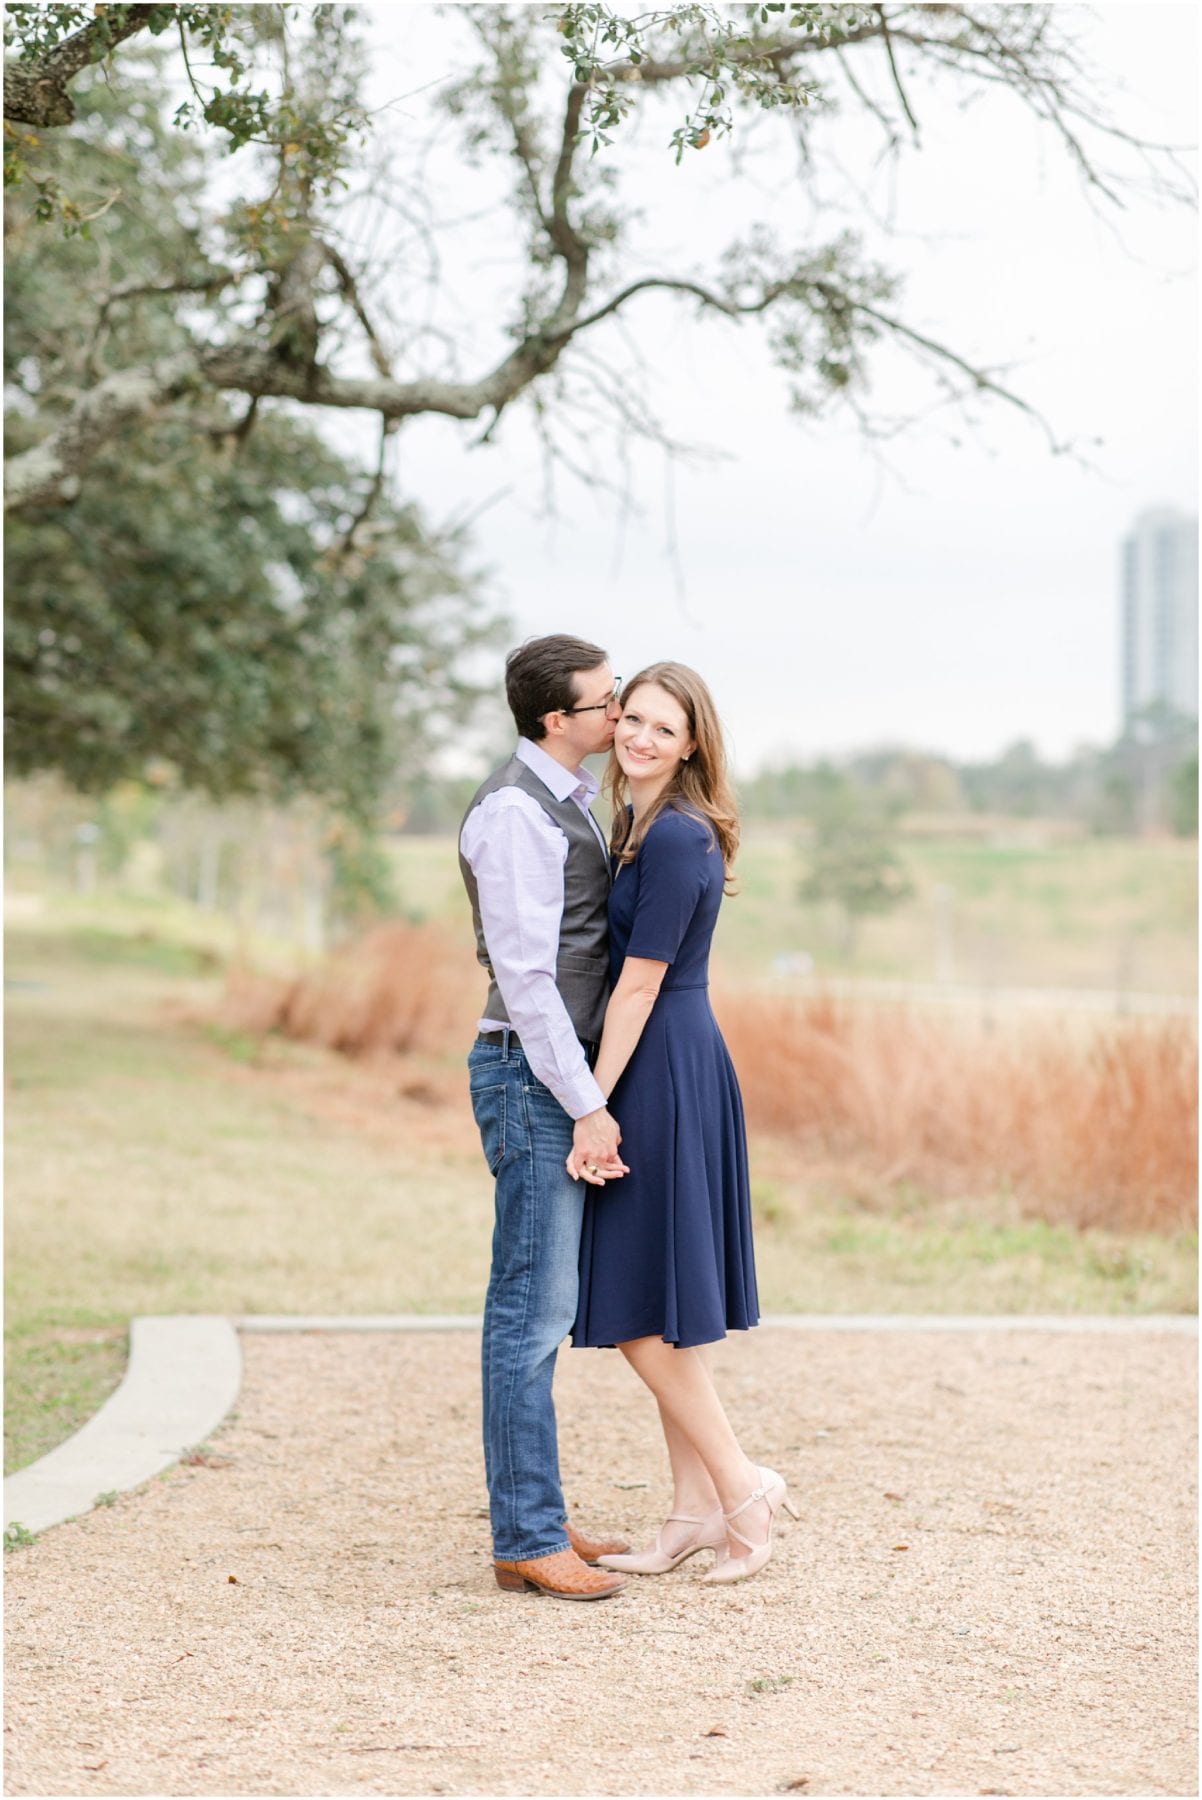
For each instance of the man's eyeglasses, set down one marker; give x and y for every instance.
(602, 706)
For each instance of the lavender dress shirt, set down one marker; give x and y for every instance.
(517, 854)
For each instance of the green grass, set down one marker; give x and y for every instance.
(1100, 913)
(770, 1684)
(57, 1370)
(157, 1162)
(428, 882)
(142, 948)
(923, 1254)
(147, 1173)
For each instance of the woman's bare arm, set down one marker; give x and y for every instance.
(628, 1011)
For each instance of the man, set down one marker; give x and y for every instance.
(536, 868)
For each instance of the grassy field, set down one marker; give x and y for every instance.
(1092, 914)
(160, 1160)
(1101, 913)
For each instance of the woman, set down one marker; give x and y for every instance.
(666, 1263)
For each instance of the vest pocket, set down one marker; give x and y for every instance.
(488, 1105)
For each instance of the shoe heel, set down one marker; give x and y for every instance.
(790, 1508)
(511, 1582)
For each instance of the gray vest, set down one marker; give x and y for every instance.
(582, 963)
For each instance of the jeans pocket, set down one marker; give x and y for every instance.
(488, 1104)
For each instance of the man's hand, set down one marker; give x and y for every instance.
(594, 1156)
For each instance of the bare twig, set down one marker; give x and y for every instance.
(878, 112)
(508, 101)
(338, 554)
(887, 39)
(350, 292)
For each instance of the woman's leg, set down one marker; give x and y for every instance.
(693, 1489)
(699, 1435)
(694, 1495)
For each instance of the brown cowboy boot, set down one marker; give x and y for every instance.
(588, 1549)
(561, 1574)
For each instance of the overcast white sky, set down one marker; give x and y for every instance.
(967, 598)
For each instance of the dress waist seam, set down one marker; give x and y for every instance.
(685, 987)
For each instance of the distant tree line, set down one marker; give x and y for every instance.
(1145, 781)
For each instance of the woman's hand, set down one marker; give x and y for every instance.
(581, 1167)
(594, 1155)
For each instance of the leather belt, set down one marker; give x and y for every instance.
(515, 1042)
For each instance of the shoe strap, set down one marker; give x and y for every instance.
(760, 1493)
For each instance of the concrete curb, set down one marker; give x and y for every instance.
(183, 1376)
(185, 1372)
(1185, 1323)
(358, 1322)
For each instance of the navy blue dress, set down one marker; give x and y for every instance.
(666, 1251)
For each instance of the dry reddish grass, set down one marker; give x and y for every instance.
(1094, 1127)
(400, 988)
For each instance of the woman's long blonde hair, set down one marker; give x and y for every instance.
(700, 786)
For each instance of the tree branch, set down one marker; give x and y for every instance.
(892, 140)
(338, 553)
(210, 283)
(100, 330)
(350, 293)
(980, 379)
(251, 368)
(887, 36)
(48, 474)
(540, 350)
(567, 241)
(35, 92)
(508, 97)
(776, 53)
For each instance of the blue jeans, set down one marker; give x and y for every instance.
(531, 1302)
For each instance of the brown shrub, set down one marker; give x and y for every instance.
(401, 988)
(1093, 1128)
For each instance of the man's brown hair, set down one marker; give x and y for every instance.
(538, 679)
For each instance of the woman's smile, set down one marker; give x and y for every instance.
(652, 736)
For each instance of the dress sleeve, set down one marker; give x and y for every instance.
(674, 872)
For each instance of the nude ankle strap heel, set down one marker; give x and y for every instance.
(709, 1535)
(737, 1568)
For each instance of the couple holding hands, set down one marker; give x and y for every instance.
(608, 1108)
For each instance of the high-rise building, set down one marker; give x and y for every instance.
(1160, 615)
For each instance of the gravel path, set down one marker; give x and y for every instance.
(990, 1592)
